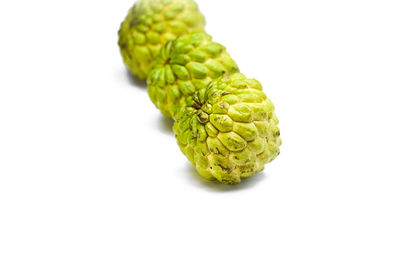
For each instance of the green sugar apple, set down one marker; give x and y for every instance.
(228, 130)
(149, 25)
(183, 67)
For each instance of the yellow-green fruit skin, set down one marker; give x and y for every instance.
(152, 23)
(183, 67)
(229, 130)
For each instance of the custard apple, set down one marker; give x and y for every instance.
(149, 25)
(184, 66)
(228, 130)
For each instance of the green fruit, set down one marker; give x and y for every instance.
(152, 23)
(183, 67)
(228, 130)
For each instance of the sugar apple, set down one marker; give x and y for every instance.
(184, 66)
(228, 130)
(149, 25)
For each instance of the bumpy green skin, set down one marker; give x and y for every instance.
(184, 66)
(229, 130)
(152, 23)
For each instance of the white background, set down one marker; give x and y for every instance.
(90, 173)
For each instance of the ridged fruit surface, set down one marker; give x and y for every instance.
(184, 66)
(229, 130)
(152, 23)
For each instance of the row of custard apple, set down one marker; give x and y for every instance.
(224, 123)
